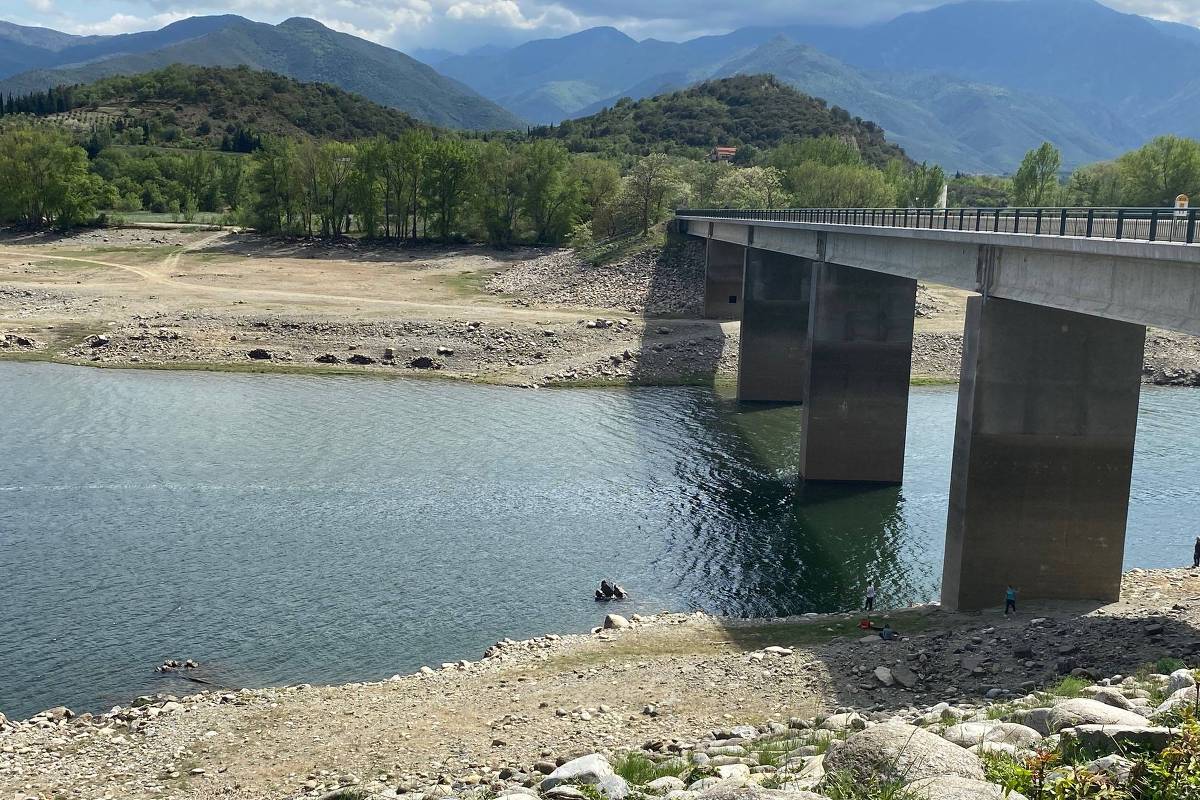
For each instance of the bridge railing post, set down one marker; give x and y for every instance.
(1191, 227)
(1062, 223)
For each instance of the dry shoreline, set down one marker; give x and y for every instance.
(223, 301)
(486, 723)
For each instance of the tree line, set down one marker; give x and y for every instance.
(424, 184)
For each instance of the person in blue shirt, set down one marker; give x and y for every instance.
(1010, 600)
(887, 634)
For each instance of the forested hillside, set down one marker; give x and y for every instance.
(300, 48)
(227, 108)
(747, 111)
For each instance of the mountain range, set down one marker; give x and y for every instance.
(299, 48)
(971, 85)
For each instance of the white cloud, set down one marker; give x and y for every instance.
(460, 25)
(126, 23)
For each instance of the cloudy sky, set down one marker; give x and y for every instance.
(459, 25)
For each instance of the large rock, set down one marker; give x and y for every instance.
(593, 770)
(1108, 739)
(1186, 696)
(1111, 697)
(667, 783)
(848, 721)
(615, 621)
(969, 734)
(897, 751)
(1039, 720)
(1082, 711)
(956, 787)
(1180, 679)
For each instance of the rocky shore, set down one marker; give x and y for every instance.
(682, 706)
(178, 299)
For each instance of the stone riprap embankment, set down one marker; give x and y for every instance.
(722, 707)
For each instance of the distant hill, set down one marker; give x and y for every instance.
(970, 85)
(206, 105)
(756, 110)
(972, 126)
(298, 48)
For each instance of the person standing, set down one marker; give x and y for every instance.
(1010, 600)
(1196, 554)
(871, 591)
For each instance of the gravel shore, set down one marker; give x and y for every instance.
(665, 682)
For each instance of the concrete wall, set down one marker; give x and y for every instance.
(856, 399)
(1043, 454)
(773, 355)
(723, 267)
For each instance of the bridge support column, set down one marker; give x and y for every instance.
(724, 264)
(1043, 452)
(860, 359)
(773, 355)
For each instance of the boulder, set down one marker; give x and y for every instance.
(904, 676)
(424, 362)
(593, 770)
(1187, 696)
(615, 621)
(667, 783)
(1111, 697)
(849, 721)
(1108, 739)
(359, 358)
(884, 676)
(895, 750)
(259, 354)
(969, 734)
(327, 358)
(1082, 711)
(956, 787)
(1180, 679)
(733, 772)
(1039, 720)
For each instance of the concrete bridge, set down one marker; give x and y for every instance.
(1051, 373)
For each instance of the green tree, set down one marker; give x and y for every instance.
(921, 186)
(1036, 180)
(1097, 184)
(651, 183)
(448, 169)
(46, 180)
(553, 194)
(816, 185)
(500, 191)
(1155, 174)
(752, 187)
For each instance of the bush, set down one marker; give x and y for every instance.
(639, 769)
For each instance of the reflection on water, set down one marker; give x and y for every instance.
(285, 529)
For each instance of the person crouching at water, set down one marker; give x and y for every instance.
(887, 634)
(870, 604)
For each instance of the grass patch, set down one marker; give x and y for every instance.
(772, 752)
(1069, 686)
(471, 283)
(1001, 710)
(931, 380)
(846, 785)
(1167, 665)
(639, 769)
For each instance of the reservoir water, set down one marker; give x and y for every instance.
(286, 529)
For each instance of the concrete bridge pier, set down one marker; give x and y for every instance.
(860, 338)
(724, 264)
(773, 351)
(1043, 453)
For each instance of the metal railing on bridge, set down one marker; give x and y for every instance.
(1175, 225)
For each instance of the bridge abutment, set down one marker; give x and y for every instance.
(773, 352)
(860, 359)
(1043, 454)
(724, 267)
